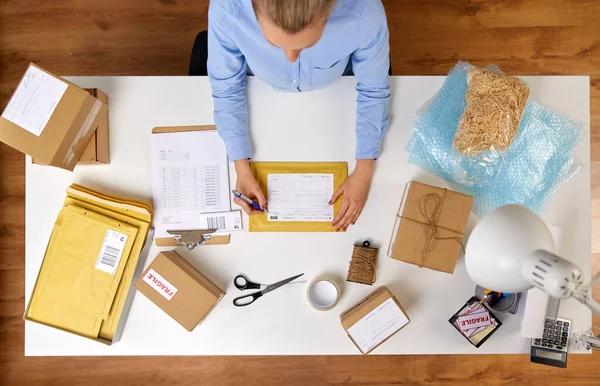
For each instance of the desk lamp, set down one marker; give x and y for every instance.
(511, 250)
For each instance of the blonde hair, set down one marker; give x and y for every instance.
(294, 15)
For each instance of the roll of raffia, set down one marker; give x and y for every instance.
(363, 265)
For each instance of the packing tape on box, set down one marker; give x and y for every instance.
(323, 293)
(85, 128)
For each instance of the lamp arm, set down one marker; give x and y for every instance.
(593, 305)
(594, 281)
(584, 295)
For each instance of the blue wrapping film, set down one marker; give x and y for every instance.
(537, 163)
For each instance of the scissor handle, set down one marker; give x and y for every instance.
(246, 300)
(241, 282)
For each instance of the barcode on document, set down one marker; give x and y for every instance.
(216, 222)
(110, 257)
(111, 251)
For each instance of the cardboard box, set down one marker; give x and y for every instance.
(179, 289)
(50, 119)
(374, 320)
(98, 150)
(430, 226)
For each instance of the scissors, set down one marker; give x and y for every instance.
(242, 283)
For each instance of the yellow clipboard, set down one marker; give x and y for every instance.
(261, 171)
(170, 241)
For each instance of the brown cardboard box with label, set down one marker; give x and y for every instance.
(179, 289)
(374, 320)
(50, 119)
(98, 150)
(430, 226)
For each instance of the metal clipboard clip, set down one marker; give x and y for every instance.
(192, 238)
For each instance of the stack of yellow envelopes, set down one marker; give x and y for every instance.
(89, 263)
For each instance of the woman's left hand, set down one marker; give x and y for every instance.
(355, 191)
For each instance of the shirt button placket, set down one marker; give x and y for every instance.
(295, 76)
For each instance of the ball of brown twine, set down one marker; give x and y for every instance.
(363, 265)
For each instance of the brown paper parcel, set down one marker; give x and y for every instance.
(430, 226)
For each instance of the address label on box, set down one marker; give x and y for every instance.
(34, 100)
(160, 284)
(378, 325)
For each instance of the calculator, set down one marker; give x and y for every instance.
(551, 348)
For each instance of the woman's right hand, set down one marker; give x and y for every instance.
(248, 186)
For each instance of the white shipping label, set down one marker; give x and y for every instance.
(300, 197)
(111, 251)
(34, 100)
(160, 284)
(377, 325)
(222, 221)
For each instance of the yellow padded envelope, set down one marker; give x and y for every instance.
(109, 324)
(261, 171)
(47, 312)
(136, 213)
(134, 208)
(128, 213)
(85, 268)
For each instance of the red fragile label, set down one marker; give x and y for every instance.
(472, 321)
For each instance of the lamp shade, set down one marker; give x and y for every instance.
(500, 244)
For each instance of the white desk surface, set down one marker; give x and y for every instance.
(315, 126)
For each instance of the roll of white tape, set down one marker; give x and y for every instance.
(323, 293)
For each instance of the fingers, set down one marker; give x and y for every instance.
(347, 215)
(260, 197)
(247, 208)
(347, 219)
(337, 194)
(341, 213)
(357, 215)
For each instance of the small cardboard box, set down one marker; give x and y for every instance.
(98, 150)
(374, 320)
(179, 289)
(50, 119)
(430, 226)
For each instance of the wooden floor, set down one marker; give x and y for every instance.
(154, 37)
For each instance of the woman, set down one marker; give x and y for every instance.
(297, 46)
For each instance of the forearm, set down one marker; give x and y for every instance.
(372, 123)
(227, 74)
(231, 119)
(371, 64)
(372, 108)
(242, 166)
(364, 168)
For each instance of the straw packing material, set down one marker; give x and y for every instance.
(495, 105)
